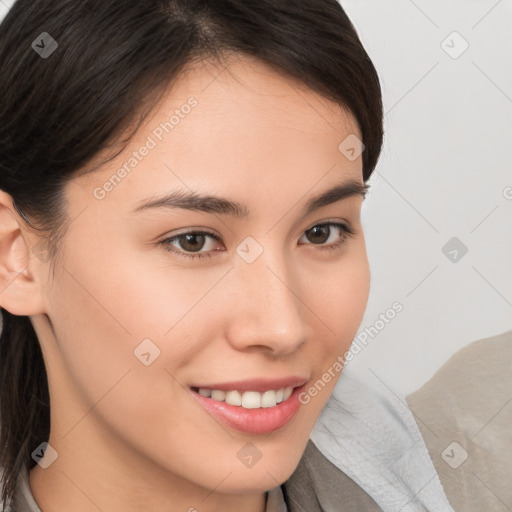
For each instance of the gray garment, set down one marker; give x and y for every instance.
(316, 485)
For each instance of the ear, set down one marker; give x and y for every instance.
(20, 292)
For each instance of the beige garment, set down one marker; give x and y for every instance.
(465, 410)
(316, 485)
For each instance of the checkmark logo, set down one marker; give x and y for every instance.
(45, 455)
(146, 351)
(249, 249)
(351, 147)
(44, 45)
(454, 455)
(454, 45)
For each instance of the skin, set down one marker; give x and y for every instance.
(128, 436)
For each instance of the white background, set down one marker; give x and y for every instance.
(446, 165)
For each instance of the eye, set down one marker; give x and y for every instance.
(320, 233)
(190, 243)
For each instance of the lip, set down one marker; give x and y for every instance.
(253, 421)
(261, 385)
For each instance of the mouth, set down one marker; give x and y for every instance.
(247, 399)
(252, 407)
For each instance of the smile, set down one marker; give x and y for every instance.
(247, 399)
(250, 411)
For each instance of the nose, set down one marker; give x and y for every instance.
(268, 307)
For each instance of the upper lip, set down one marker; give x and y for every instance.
(259, 384)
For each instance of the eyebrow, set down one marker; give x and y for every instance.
(223, 206)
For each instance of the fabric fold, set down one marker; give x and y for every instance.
(372, 436)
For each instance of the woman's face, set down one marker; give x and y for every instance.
(133, 321)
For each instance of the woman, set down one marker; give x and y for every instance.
(165, 169)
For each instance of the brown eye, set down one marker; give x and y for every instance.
(321, 233)
(191, 242)
(186, 244)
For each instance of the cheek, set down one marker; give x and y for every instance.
(107, 313)
(338, 303)
(341, 296)
(98, 323)
(349, 298)
(94, 346)
(128, 297)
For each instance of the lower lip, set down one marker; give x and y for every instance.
(253, 421)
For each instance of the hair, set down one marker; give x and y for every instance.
(113, 62)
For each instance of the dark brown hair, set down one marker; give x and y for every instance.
(113, 60)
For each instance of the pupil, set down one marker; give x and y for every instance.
(194, 246)
(324, 230)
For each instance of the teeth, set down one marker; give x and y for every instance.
(251, 400)
(268, 399)
(218, 395)
(233, 398)
(248, 399)
(287, 393)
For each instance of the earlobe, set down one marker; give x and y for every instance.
(20, 291)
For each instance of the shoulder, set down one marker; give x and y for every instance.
(464, 413)
(23, 500)
(9, 506)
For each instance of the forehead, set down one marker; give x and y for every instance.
(240, 126)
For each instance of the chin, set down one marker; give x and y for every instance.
(255, 482)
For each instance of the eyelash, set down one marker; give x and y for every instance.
(166, 243)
